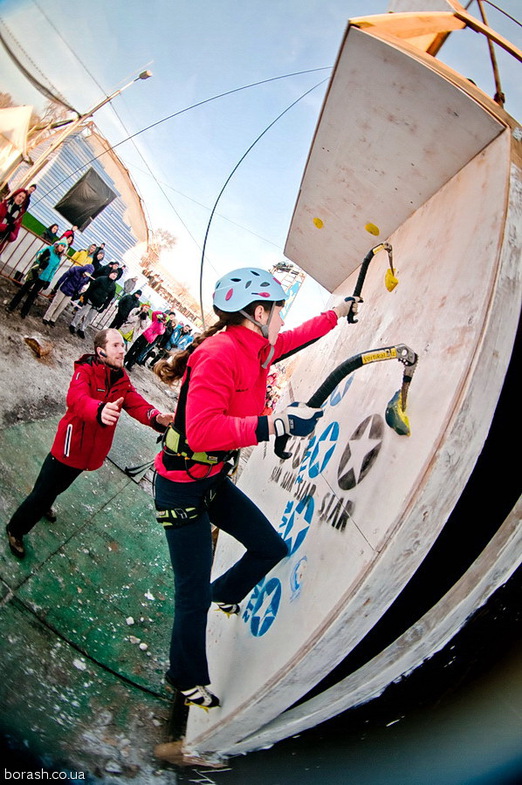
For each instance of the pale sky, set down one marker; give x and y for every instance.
(198, 49)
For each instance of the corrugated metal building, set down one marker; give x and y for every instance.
(121, 225)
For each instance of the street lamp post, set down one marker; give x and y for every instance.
(40, 162)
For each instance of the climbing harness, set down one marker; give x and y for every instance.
(177, 450)
(177, 517)
(179, 456)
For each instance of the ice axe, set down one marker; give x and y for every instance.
(390, 279)
(395, 410)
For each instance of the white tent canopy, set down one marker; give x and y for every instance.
(14, 125)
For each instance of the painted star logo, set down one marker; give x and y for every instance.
(265, 600)
(323, 450)
(361, 452)
(338, 394)
(296, 522)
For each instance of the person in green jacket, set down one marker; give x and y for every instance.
(40, 275)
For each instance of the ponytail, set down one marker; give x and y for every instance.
(174, 366)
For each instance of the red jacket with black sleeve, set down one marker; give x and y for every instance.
(82, 441)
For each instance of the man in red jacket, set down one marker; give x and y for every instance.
(100, 388)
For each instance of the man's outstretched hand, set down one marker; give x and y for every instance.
(111, 412)
(164, 419)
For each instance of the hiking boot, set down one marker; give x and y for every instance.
(50, 515)
(200, 696)
(230, 608)
(46, 322)
(72, 329)
(16, 544)
(80, 333)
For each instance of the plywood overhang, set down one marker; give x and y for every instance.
(391, 133)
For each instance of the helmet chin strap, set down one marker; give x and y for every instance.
(264, 331)
(263, 327)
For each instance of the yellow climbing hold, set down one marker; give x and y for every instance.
(372, 229)
(318, 223)
(390, 280)
(396, 417)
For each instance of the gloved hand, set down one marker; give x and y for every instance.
(298, 419)
(347, 307)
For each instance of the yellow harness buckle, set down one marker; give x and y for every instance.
(176, 517)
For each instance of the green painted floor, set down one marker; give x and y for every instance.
(86, 616)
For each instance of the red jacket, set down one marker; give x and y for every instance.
(81, 440)
(9, 228)
(227, 388)
(157, 327)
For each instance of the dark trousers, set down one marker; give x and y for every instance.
(31, 289)
(54, 478)
(190, 549)
(118, 320)
(136, 349)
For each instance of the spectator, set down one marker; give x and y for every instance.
(97, 258)
(50, 235)
(96, 298)
(107, 268)
(99, 390)
(185, 338)
(12, 211)
(71, 283)
(125, 305)
(136, 324)
(157, 327)
(30, 191)
(84, 256)
(68, 235)
(129, 285)
(47, 261)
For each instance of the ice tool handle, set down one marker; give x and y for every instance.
(399, 352)
(364, 269)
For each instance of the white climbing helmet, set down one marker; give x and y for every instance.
(237, 289)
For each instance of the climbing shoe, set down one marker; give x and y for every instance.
(230, 608)
(200, 696)
(51, 515)
(16, 544)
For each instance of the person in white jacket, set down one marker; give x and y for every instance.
(137, 322)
